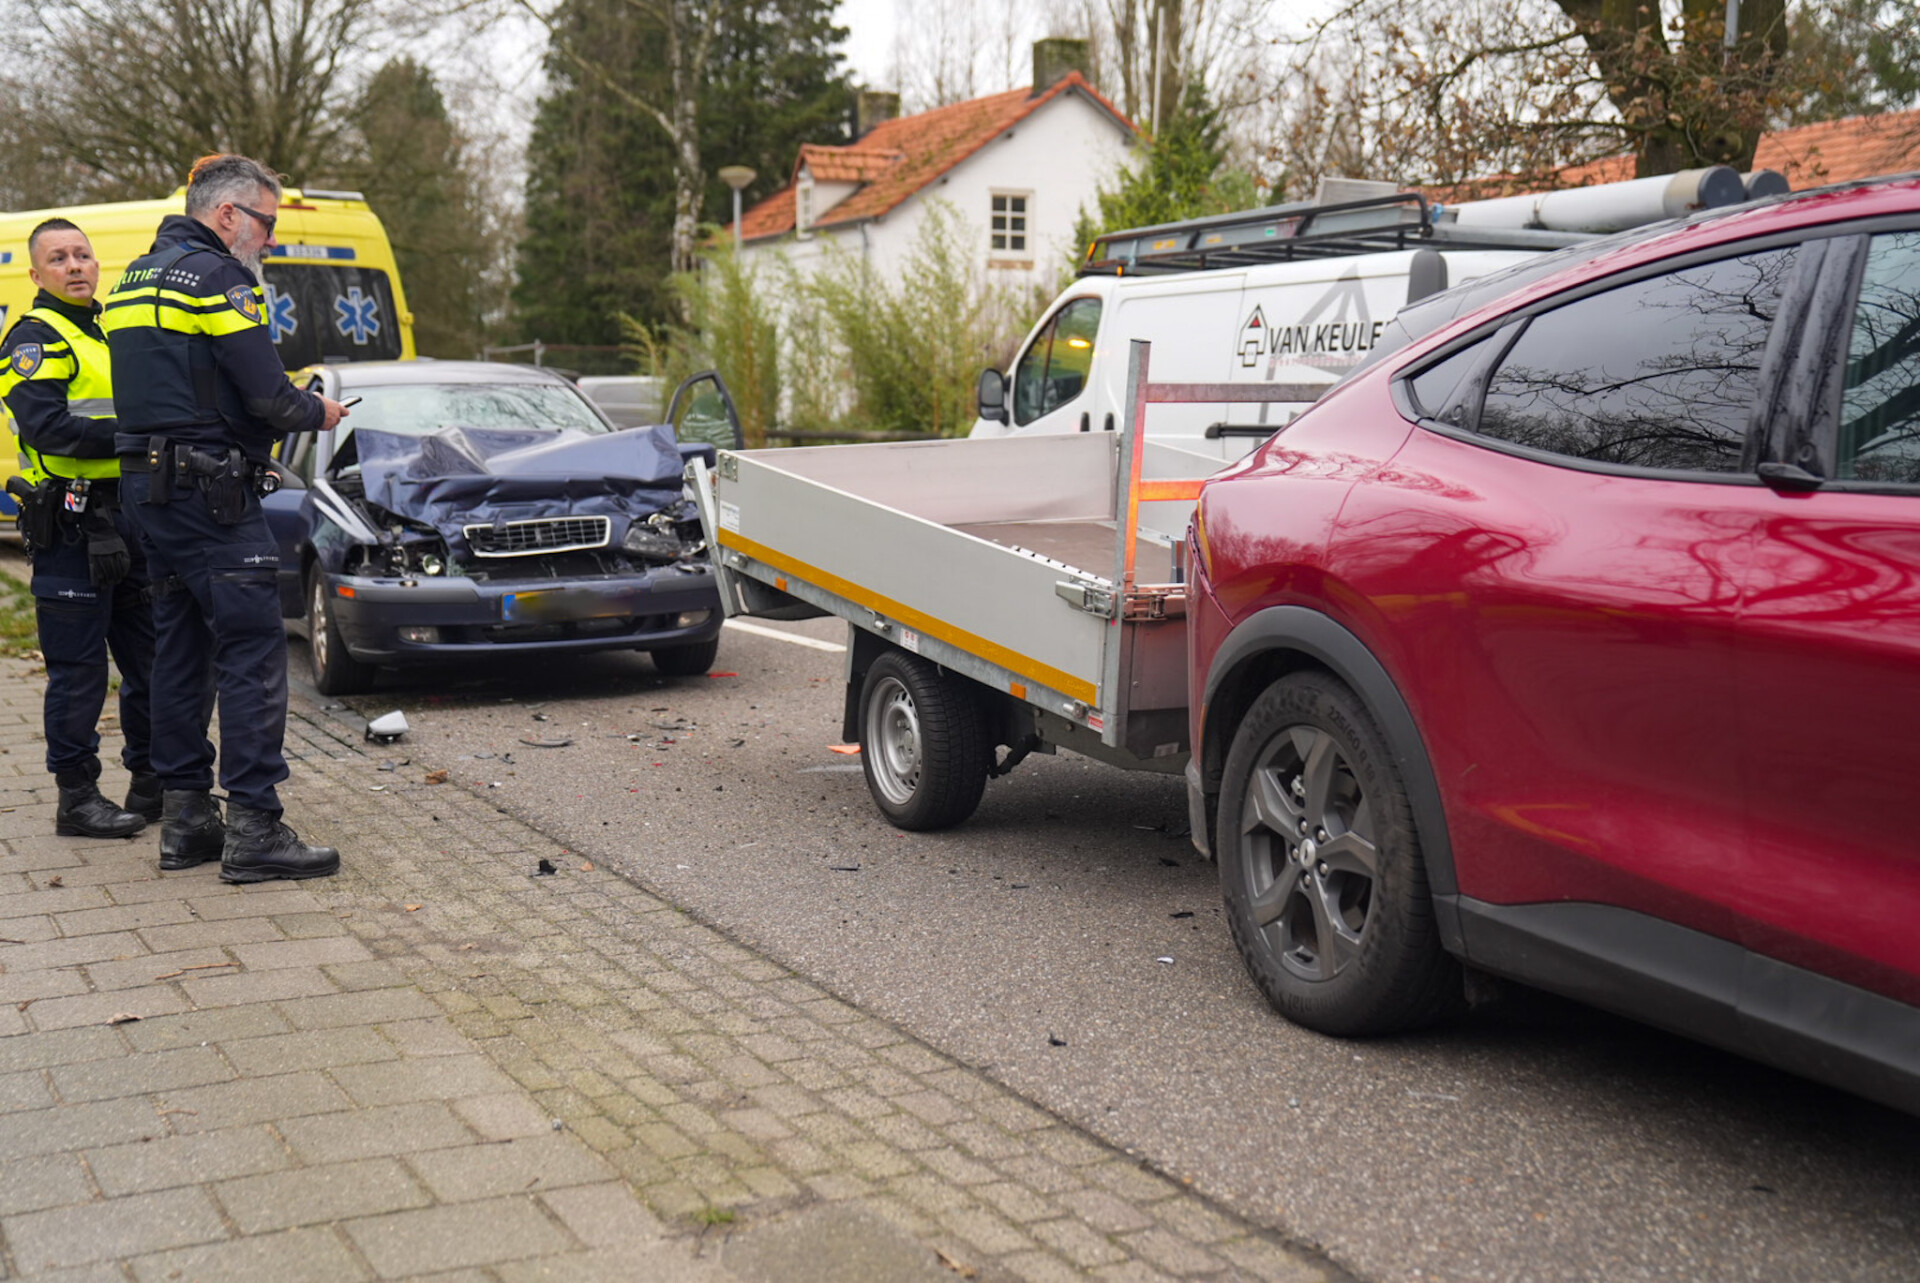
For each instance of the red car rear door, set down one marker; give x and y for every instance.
(1830, 658)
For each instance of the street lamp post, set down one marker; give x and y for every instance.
(736, 177)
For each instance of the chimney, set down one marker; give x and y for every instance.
(1054, 57)
(870, 108)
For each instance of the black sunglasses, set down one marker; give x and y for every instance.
(266, 220)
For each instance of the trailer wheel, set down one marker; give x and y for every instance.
(1320, 867)
(923, 743)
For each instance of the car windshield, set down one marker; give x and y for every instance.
(428, 407)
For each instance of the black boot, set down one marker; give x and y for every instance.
(143, 798)
(190, 830)
(260, 848)
(83, 813)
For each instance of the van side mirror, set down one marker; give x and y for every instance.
(993, 396)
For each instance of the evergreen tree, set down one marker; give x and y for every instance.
(1184, 174)
(601, 182)
(413, 172)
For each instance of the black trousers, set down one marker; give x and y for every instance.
(79, 626)
(216, 612)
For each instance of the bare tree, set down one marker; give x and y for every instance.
(159, 84)
(688, 29)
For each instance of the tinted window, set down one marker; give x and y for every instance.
(321, 312)
(1880, 414)
(1054, 370)
(1662, 373)
(1439, 383)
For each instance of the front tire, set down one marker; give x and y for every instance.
(690, 660)
(1320, 867)
(335, 672)
(924, 745)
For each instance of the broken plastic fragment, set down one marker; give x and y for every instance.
(562, 742)
(388, 727)
(1168, 961)
(844, 750)
(546, 868)
(437, 777)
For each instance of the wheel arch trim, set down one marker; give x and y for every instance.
(1329, 644)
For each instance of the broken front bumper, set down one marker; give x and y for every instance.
(417, 620)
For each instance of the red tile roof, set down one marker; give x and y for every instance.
(1832, 151)
(899, 157)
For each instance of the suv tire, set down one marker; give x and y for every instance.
(1320, 867)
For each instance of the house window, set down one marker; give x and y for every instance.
(803, 207)
(1009, 223)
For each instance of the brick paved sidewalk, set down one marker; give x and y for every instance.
(437, 1065)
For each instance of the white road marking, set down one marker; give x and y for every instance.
(811, 643)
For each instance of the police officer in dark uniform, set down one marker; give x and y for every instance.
(202, 399)
(89, 580)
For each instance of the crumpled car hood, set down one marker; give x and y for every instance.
(462, 476)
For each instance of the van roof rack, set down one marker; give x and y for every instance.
(1302, 230)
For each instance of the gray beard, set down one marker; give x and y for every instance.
(252, 262)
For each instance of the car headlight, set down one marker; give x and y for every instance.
(660, 542)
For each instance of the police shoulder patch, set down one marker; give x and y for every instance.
(26, 359)
(244, 302)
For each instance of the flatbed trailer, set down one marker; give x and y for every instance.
(1024, 594)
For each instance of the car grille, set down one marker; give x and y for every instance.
(544, 534)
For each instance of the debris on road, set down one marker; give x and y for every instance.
(845, 750)
(844, 868)
(1164, 959)
(1055, 1042)
(437, 777)
(387, 728)
(122, 1018)
(562, 742)
(1184, 913)
(394, 766)
(546, 869)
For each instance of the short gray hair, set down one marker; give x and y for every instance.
(217, 180)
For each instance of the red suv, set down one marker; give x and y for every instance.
(1576, 639)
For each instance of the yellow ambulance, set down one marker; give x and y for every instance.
(333, 291)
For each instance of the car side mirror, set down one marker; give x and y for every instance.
(993, 396)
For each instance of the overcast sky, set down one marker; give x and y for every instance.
(870, 42)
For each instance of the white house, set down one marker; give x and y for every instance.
(1017, 167)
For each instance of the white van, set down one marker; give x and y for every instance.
(1292, 294)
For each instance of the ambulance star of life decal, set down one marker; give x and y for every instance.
(281, 320)
(244, 302)
(26, 359)
(357, 316)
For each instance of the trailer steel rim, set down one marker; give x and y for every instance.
(893, 749)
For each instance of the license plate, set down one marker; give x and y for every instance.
(560, 605)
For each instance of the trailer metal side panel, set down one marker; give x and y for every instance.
(997, 603)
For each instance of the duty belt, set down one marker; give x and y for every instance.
(172, 463)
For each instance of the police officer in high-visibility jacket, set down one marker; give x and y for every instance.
(89, 580)
(202, 399)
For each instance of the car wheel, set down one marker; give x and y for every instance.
(335, 672)
(923, 743)
(1320, 867)
(686, 661)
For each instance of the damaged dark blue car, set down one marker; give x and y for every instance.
(469, 509)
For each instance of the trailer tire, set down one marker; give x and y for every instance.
(924, 745)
